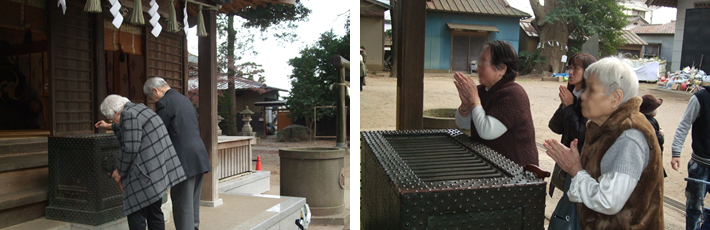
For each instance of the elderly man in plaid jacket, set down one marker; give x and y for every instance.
(147, 165)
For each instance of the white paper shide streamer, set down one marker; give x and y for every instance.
(154, 17)
(116, 12)
(63, 4)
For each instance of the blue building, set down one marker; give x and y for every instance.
(457, 29)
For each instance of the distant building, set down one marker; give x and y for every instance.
(687, 39)
(372, 32)
(457, 29)
(247, 92)
(637, 13)
(660, 40)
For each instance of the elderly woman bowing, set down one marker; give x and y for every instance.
(147, 165)
(498, 110)
(618, 179)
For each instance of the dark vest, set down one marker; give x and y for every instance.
(701, 126)
(644, 209)
(508, 102)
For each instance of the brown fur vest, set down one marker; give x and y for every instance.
(644, 209)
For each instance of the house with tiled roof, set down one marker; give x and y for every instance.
(659, 38)
(529, 40)
(247, 92)
(457, 29)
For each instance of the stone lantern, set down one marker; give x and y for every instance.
(247, 130)
(219, 120)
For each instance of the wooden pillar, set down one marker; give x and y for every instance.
(208, 107)
(100, 71)
(410, 18)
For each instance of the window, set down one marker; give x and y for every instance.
(639, 13)
(652, 50)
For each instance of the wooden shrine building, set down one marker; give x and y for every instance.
(57, 66)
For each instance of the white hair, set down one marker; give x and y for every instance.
(615, 73)
(113, 104)
(651, 113)
(154, 82)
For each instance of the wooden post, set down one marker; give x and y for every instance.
(409, 62)
(208, 107)
(341, 127)
(100, 67)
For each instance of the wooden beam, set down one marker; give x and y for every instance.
(409, 16)
(19, 49)
(208, 107)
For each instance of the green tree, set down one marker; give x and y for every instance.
(276, 18)
(557, 20)
(314, 74)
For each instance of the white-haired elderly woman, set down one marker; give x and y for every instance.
(147, 165)
(618, 179)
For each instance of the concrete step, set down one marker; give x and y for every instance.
(255, 182)
(23, 145)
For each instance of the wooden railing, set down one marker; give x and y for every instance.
(234, 155)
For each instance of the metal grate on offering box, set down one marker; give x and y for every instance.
(440, 179)
(80, 188)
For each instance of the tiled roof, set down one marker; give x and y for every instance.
(240, 83)
(528, 28)
(632, 38)
(668, 28)
(636, 18)
(491, 7)
(379, 4)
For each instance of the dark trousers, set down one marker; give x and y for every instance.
(695, 195)
(151, 213)
(186, 203)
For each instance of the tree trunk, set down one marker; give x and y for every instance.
(231, 37)
(553, 37)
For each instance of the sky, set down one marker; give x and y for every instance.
(273, 56)
(660, 16)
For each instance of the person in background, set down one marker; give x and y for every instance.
(569, 122)
(363, 55)
(147, 165)
(498, 110)
(697, 115)
(180, 118)
(618, 178)
(649, 108)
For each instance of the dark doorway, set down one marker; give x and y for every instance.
(464, 49)
(695, 36)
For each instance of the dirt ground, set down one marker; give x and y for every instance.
(378, 111)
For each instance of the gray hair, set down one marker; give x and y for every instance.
(154, 82)
(615, 73)
(113, 104)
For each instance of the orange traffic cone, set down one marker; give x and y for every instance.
(258, 163)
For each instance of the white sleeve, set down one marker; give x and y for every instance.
(691, 113)
(488, 127)
(463, 122)
(608, 196)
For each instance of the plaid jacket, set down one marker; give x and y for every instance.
(147, 161)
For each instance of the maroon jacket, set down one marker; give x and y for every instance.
(508, 102)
